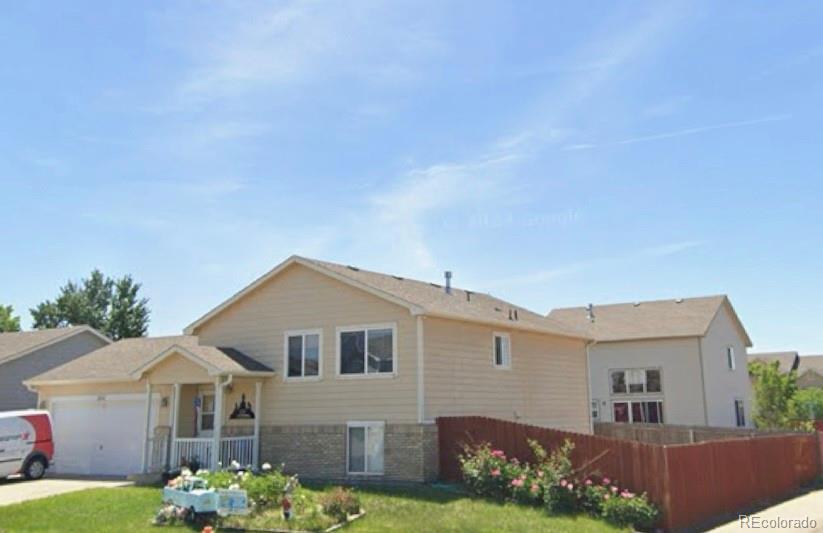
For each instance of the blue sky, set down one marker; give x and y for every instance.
(550, 154)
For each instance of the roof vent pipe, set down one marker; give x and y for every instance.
(590, 312)
(448, 276)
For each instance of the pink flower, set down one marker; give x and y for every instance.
(495, 472)
(606, 497)
(626, 494)
(588, 482)
(498, 453)
(563, 482)
(515, 461)
(570, 487)
(535, 488)
(517, 482)
(614, 489)
(540, 474)
(606, 481)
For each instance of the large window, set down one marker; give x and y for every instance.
(365, 448)
(502, 351)
(739, 413)
(302, 351)
(636, 381)
(730, 362)
(205, 414)
(638, 411)
(366, 350)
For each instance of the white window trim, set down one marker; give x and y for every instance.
(303, 333)
(730, 351)
(640, 400)
(632, 395)
(201, 412)
(366, 375)
(366, 425)
(507, 365)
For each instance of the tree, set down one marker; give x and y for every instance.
(8, 322)
(773, 391)
(112, 306)
(807, 404)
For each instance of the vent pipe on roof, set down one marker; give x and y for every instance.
(590, 312)
(448, 276)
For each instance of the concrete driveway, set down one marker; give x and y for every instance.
(20, 490)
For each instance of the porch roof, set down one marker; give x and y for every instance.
(128, 359)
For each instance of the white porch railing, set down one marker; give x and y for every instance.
(240, 449)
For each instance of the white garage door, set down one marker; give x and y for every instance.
(100, 436)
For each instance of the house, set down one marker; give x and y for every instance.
(667, 361)
(786, 361)
(24, 354)
(810, 371)
(334, 371)
(809, 368)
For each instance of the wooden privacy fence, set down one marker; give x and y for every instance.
(690, 483)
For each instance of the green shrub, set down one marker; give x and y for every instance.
(487, 472)
(340, 503)
(628, 509)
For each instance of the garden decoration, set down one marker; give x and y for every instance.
(291, 484)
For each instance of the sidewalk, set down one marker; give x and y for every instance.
(807, 506)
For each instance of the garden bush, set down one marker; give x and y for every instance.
(553, 483)
(340, 503)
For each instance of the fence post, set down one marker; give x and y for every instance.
(820, 450)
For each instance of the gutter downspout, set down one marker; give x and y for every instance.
(703, 381)
(421, 400)
(589, 344)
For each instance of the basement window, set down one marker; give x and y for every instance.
(364, 448)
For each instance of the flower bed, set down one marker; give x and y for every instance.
(276, 502)
(554, 484)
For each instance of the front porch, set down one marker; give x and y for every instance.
(201, 419)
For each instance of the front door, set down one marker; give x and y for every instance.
(205, 415)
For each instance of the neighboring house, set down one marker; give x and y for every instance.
(810, 371)
(24, 354)
(334, 371)
(809, 368)
(669, 361)
(787, 361)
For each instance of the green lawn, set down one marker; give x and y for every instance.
(414, 509)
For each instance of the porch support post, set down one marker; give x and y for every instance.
(258, 386)
(147, 432)
(218, 422)
(175, 416)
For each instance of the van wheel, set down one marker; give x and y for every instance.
(35, 469)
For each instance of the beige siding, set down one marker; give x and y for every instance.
(300, 298)
(724, 385)
(679, 362)
(545, 386)
(178, 369)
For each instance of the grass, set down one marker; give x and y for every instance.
(411, 509)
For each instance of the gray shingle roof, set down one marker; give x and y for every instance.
(117, 362)
(811, 362)
(14, 343)
(786, 360)
(686, 317)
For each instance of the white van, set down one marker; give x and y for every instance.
(26, 445)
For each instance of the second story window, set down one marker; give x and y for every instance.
(636, 381)
(303, 354)
(730, 362)
(366, 350)
(502, 356)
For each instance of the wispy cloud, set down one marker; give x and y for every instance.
(550, 274)
(680, 133)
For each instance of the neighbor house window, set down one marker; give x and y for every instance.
(595, 410)
(638, 411)
(730, 357)
(365, 448)
(303, 354)
(367, 350)
(502, 352)
(636, 381)
(739, 413)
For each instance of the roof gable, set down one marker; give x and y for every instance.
(419, 297)
(14, 345)
(657, 319)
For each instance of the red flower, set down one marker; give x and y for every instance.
(495, 472)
